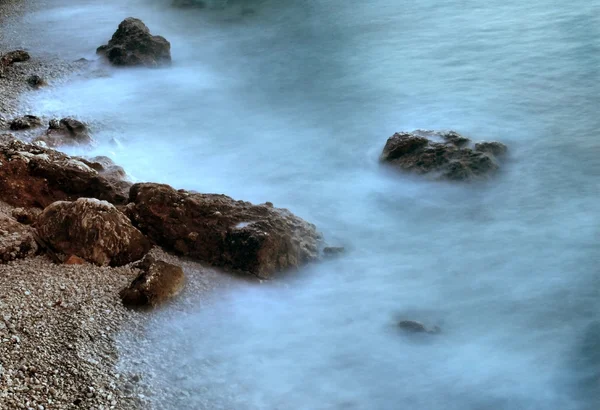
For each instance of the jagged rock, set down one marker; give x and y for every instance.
(25, 122)
(158, 282)
(93, 230)
(35, 81)
(412, 326)
(257, 239)
(67, 131)
(16, 240)
(133, 45)
(33, 176)
(443, 155)
(26, 216)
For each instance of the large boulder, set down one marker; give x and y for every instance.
(133, 45)
(67, 131)
(25, 122)
(33, 176)
(442, 155)
(257, 239)
(158, 282)
(93, 230)
(16, 240)
(16, 56)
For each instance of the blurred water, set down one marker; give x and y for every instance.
(292, 104)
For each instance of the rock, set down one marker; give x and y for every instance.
(158, 282)
(33, 176)
(443, 155)
(67, 131)
(26, 216)
(133, 45)
(495, 148)
(74, 260)
(93, 230)
(333, 250)
(190, 3)
(25, 122)
(35, 81)
(113, 173)
(16, 240)
(257, 239)
(16, 56)
(412, 326)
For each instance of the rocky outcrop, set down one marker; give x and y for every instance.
(16, 240)
(442, 155)
(25, 122)
(32, 176)
(93, 230)
(257, 239)
(133, 45)
(158, 282)
(67, 131)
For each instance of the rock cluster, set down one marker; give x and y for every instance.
(67, 131)
(133, 45)
(442, 155)
(257, 239)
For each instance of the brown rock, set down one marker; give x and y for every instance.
(74, 260)
(257, 239)
(32, 176)
(158, 282)
(93, 230)
(16, 240)
(25, 122)
(443, 155)
(133, 45)
(26, 216)
(67, 131)
(35, 81)
(16, 56)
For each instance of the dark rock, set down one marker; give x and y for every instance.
(257, 239)
(333, 250)
(495, 148)
(443, 155)
(67, 131)
(190, 3)
(35, 81)
(16, 56)
(25, 122)
(158, 282)
(16, 240)
(133, 45)
(93, 230)
(32, 176)
(412, 326)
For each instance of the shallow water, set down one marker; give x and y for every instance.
(292, 104)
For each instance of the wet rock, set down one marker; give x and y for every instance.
(133, 45)
(442, 155)
(67, 131)
(26, 216)
(257, 239)
(25, 122)
(412, 326)
(16, 56)
(16, 240)
(332, 251)
(33, 176)
(190, 3)
(35, 81)
(158, 282)
(112, 172)
(93, 230)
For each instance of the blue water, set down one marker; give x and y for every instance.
(293, 104)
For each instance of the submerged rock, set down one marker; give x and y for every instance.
(33, 176)
(35, 81)
(443, 155)
(16, 240)
(331, 251)
(67, 131)
(412, 326)
(93, 230)
(257, 239)
(158, 282)
(25, 122)
(133, 45)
